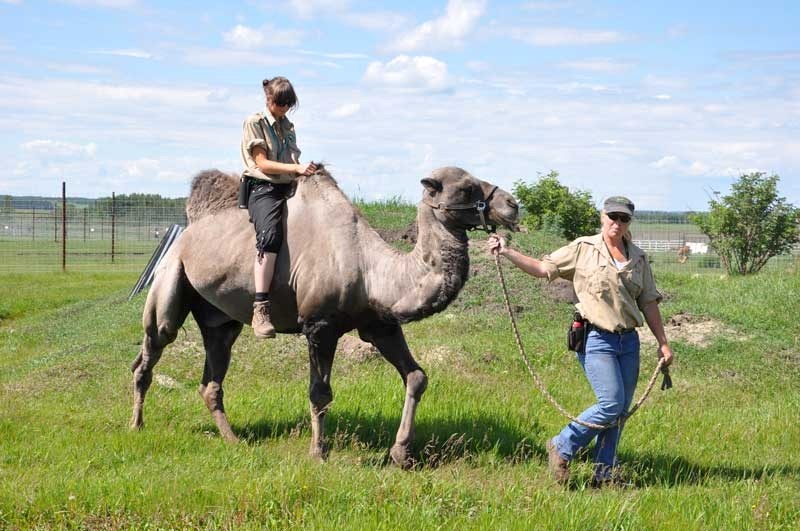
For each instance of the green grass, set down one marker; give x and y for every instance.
(719, 451)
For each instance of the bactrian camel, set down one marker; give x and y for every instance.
(334, 274)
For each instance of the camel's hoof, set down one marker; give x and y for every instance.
(136, 423)
(230, 438)
(400, 457)
(319, 452)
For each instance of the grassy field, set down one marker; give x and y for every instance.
(719, 451)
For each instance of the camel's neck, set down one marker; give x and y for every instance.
(426, 280)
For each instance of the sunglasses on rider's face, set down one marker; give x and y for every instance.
(622, 218)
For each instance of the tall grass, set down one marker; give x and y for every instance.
(719, 451)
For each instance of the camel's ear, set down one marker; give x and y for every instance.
(432, 185)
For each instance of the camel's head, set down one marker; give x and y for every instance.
(461, 200)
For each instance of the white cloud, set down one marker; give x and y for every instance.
(138, 54)
(376, 21)
(310, 8)
(335, 55)
(346, 110)
(445, 32)
(663, 97)
(244, 37)
(564, 36)
(247, 38)
(608, 66)
(409, 72)
(53, 148)
(13, 2)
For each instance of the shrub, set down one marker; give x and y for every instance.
(551, 206)
(751, 225)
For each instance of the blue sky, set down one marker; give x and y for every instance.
(661, 101)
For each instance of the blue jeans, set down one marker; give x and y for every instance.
(611, 364)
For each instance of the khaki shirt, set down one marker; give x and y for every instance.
(608, 297)
(277, 137)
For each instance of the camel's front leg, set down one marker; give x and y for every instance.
(322, 338)
(389, 340)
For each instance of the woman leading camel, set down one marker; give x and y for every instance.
(614, 285)
(272, 161)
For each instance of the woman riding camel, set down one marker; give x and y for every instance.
(272, 162)
(614, 285)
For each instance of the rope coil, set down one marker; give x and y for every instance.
(538, 382)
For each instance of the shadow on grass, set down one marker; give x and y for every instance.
(438, 441)
(441, 441)
(647, 469)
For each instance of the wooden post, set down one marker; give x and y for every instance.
(84, 224)
(63, 226)
(113, 223)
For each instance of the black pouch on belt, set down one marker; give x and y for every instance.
(244, 191)
(576, 333)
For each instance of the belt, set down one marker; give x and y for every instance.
(617, 332)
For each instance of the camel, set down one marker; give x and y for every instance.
(334, 274)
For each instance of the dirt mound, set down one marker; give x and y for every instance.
(408, 234)
(691, 329)
(352, 348)
(560, 290)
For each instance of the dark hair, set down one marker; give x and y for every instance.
(280, 91)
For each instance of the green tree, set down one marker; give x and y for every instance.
(550, 206)
(751, 225)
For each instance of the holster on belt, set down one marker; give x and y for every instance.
(244, 191)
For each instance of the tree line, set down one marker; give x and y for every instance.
(745, 228)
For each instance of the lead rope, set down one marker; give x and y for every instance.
(538, 382)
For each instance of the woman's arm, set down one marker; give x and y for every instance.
(532, 266)
(270, 166)
(653, 317)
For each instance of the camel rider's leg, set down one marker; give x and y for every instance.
(263, 270)
(266, 207)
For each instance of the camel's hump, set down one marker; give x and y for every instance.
(211, 191)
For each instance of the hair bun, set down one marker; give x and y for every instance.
(265, 82)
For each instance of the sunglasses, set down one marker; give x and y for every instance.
(622, 218)
(282, 104)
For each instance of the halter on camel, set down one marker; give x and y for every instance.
(481, 205)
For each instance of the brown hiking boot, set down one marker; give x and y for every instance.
(262, 326)
(558, 466)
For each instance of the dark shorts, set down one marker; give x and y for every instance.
(266, 207)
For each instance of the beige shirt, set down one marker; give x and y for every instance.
(277, 137)
(608, 297)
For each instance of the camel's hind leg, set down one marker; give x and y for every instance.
(388, 338)
(165, 310)
(218, 341)
(322, 338)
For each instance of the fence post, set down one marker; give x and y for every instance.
(113, 223)
(63, 226)
(84, 224)
(33, 223)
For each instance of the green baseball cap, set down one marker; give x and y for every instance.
(618, 203)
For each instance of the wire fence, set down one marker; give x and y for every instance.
(107, 235)
(113, 234)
